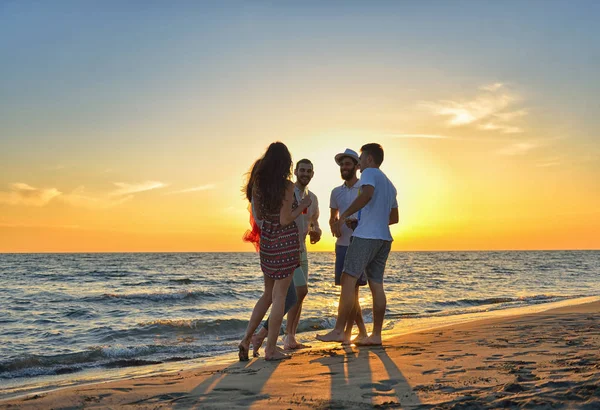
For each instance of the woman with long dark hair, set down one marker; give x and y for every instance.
(275, 208)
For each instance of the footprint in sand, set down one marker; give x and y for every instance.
(233, 389)
(375, 394)
(160, 398)
(328, 373)
(455, 371)
(376, 386)
(34, 397)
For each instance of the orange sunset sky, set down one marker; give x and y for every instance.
(130, 128)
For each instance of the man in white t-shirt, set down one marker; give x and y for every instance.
(341, 198)
(372, 241)
(308, 225)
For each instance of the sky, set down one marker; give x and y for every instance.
(129, 127)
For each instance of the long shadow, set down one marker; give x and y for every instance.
(233, 386)
(342, 369)
(347, 370)
(229, 386)
(397, 382)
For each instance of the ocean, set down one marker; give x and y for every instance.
(64, 317)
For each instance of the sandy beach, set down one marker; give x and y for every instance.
(548, 359)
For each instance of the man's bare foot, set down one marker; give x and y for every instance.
(369, 341)
(290, 343)
(333, 336)
(243, 348)
(359, 338)
(257, 341)
(276, 355)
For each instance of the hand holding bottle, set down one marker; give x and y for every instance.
(305, 203)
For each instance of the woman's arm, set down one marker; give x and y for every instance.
(286, 215)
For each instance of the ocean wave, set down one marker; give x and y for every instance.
(498, 300)
(100, 356)
(475, 302)
(115, 273)
(194, 326)
(163, 296)
(184, 281)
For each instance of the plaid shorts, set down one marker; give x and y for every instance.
(368, 256)
(340, 257)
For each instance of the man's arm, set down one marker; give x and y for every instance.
(333, 218)
(314, 218)
(333, 215)
(394, 217)
(360, 202)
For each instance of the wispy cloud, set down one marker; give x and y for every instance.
(492, 87)
(549, 162)
(24, 194)
(493, 109)
(426, 136)
(128, 189)
(80, 199)
(518, 148)
(124, 193)
(194, 189)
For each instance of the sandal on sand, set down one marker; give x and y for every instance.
(243, 353)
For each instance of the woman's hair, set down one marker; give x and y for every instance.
(268, 177)
(250, 182)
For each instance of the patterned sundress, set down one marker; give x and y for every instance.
(279, 247)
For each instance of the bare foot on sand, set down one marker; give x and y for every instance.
(333, 336)
(276, 354)
(257, 341)
(290, 343)
(243, 348)
(359, 338)
(369, 341)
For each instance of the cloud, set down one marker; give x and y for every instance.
(549, 162)
(494, 109)
(195, 189)
(492, 87)
(124, 193)
(517, 149)
(23, 194)
(78, 198)
(128, 189)
(507, 129)
(427, 136)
